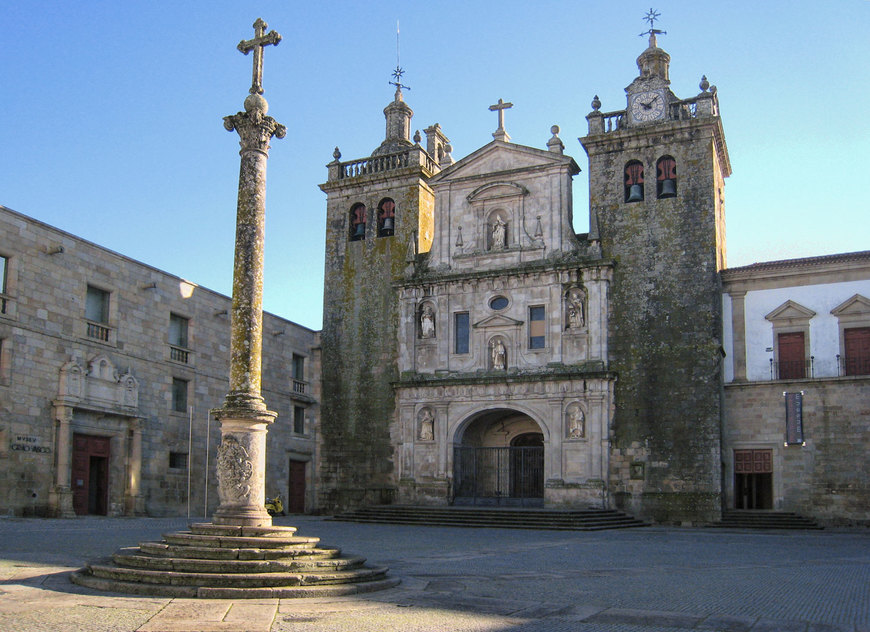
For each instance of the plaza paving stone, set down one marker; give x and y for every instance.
(454, 579)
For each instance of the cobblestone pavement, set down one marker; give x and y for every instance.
(457, 580)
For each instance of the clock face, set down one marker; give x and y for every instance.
(647, 106)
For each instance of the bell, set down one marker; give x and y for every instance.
(669, 188)
(635, 193)
(360, 230)
(388, 223)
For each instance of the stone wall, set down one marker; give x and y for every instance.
(45, 328)
(825, 478)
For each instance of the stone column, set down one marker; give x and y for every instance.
(241, 461)
(133, 502)
(61, 497)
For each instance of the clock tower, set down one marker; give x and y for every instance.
(656, 180)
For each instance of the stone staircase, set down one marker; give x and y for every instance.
(500, 518)
(222, 562)
(755, 519)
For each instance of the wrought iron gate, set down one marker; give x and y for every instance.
(498, 475)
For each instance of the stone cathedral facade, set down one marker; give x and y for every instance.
(497, 357)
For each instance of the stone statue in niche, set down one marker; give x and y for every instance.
(576, 310)
(427, 425)
(427, 322)
(575, 422)
(499, 234)
(499, 354)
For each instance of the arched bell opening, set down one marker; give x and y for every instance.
(498, 459)
(357, 222)
(666, 177)
(386, 217)
(633, 181)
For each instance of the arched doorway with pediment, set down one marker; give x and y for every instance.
(498, 460)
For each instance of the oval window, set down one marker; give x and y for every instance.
(499, 302)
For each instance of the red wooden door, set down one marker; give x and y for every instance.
(90, 474)
(792, 356)
(296, 497)
(856, 343)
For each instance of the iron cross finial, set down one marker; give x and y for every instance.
(651, 16)
(398, 72)
(261, 39)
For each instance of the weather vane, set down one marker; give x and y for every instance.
(651, 17)
(398, 72)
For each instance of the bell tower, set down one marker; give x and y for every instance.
(379, 212)
(656, 180)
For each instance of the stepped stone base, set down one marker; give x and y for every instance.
(502, 518)
(760, 519)
(230, 562)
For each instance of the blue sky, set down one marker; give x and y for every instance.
(113, 113)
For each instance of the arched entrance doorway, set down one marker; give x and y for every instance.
(498, 459)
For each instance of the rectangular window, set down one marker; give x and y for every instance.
(537, 327)
(856, 343)
(792, 356)
(461, 332)
(178, 460)
(298, 420)
(179, 395)
(178, 330)
(4, 267)
(298, 368)
(97, 305)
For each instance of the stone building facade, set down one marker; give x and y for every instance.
(521, 363)
(799, 326)
(104, 361)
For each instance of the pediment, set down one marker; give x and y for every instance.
(497, 321)
(790, 311)
(498, 157)
(856, 306)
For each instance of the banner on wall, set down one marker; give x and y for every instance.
(794, 418)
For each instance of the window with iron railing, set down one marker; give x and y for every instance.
(856, 344)
(178, 339)
(97, 314)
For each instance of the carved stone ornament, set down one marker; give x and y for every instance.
(575, 422)
(426, 424)
(234, 470)
(255, 128)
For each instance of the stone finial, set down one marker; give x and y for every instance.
(704, 83)
(417, 137)
(596, 103)
(459, 242)
(539, 229)
(448, 154)
(336, 154)
(555, 143)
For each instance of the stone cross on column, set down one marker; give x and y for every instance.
(500, 107)
(260, 40)
(241, 461)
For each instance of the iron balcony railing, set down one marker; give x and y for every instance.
(792, 369)
(847, 365)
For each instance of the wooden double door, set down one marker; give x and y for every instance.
(753, 479)
(90, 474)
